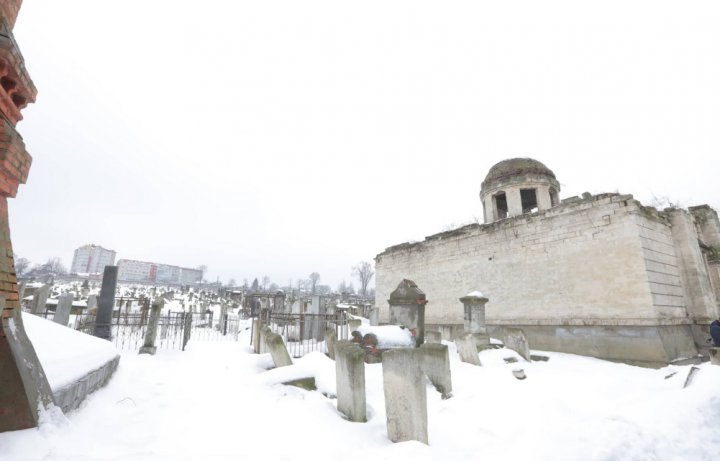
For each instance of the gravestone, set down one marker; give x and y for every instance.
(91, 303)
(405, 395)
(350, 381)
(106, 304)
(474, 318)
(514, 339)
(407, 307)
(714, 355)
(375, 316)
(435, 361)
(151, 331)
(276, 346)
(40, 299)
(468, 350)
(433, 337)
(62, 311)
(264, 332)
(331, 341)
(354, 324)
(257, 326)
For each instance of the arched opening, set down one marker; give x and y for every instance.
(528, 198)
(500, 205)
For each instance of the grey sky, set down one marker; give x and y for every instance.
(285, 137)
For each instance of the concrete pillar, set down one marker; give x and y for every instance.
(514, 201)
(515, 339)
(542, 193)
(407, 307)
(40, 299)
(433, 337)
(331, 341)
(405, 396)
(435, 361)
(151, 331)
(468, 350)
(106, 303)
(375, 316)
(350, 380)
(62, 311)
(276, 346)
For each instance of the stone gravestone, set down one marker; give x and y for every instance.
(91, 303)
(256, 327)
(40, 299)
(331, 341)
(468, 350)
(106, 304)
(474, 318)
(350, 380)
(514, 339)
(407, 307)
(151, 332)
(405, 396)
(62, 311)
(264, 332)
(433, 337)
(276, 346)
(374, 316)
(435, 361)
(354, 324)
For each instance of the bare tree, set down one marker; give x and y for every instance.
(56, 266)
(314, 277)
(364, 273)
(21, 265)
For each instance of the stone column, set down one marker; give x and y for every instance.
(62, 311)
(474, 315)
(405, 396)
(350, 381)
(407, 307)
(40, 299)
(106, 304)
(151, 331)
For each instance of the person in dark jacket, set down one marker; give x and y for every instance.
(715, 332)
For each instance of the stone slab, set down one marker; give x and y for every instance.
(405, 396)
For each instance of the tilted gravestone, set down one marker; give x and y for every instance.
(276, 346)
(151, 332)
(435, 361)
(62, 311)
(405, 396)
(331, 342)
(514, 339)
(106, 303)
(350, 380)
(468, 350)
(40, 299)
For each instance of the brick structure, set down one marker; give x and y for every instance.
(23, 385)
(600, 275)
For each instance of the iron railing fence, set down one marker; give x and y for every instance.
(304, 333)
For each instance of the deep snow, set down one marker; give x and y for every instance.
(217, 401)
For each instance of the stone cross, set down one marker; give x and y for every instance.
(350, 381)
(405, 396)
(151, 332)
(106, 303)
(62, 311)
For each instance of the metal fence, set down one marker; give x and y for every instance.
(304, 333)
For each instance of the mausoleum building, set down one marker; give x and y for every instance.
(600, 275)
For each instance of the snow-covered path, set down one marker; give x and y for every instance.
(216, 401)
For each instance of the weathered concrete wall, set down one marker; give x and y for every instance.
(604, 261)
(71, 396)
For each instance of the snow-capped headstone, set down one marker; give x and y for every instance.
(407, 307)
(474, 310)
(515, 339)
(405, 395)
(62, 310)
(468, 350)
(350, 381)
(436, 365)
(276, 346)
(151, 332)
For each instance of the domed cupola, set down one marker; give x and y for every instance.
(516, 186)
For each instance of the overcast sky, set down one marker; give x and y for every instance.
(285, 137)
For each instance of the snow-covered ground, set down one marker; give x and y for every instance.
(217, 401)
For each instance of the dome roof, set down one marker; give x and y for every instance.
(516, 167)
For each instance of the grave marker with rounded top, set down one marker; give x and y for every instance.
(407, 307)
(405, 395)
(350, 381)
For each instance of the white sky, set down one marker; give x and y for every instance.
(284, 137)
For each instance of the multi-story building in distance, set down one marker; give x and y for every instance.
(92, 259)
(141, 271)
